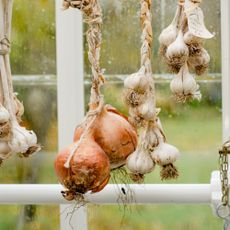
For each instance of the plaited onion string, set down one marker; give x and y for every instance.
(141, 99)
(105, 138)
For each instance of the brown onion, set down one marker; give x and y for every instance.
(115, 135)
(89, 168)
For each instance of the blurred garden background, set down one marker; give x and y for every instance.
(195, 127)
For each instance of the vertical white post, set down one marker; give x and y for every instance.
(225, 41)
(69, 36)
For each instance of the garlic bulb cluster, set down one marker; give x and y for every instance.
(13, 137)
(141, 100)
(186, 49)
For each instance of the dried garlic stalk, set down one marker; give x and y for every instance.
(183, 49)
(140, 98)
(13, 137)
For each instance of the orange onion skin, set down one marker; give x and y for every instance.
(89, 167)
(115, 135)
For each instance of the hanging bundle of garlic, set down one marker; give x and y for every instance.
(105, 138)
(181, 46)
(13, 137)
(140, 97)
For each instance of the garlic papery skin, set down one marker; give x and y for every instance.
(23, 140)
(169, 34)
(147, 110)
(184, 86)
(176, 84)
(137, 81)
(140, 162)
(165, 154)
(177, 53)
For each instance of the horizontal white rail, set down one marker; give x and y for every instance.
(112, 194)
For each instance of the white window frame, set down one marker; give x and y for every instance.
(69, 36)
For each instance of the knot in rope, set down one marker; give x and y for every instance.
(5, 42)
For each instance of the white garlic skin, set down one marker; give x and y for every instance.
(178, 48)
(184, 83)
(22, 139)
(165, 154)
(140, 162)
(4, 115)
(147, 110)
(176, 85)
(137, 81)
(168, 35)
(189, 83)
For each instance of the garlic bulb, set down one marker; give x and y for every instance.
(199, 61)
(137, 81)
(165, 154)
(184, 86)
(140, 162)
(169, 34)
(177, 53)
(147, 110)
(23, 141)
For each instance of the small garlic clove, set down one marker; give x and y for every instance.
(165, 154)
(140, 162)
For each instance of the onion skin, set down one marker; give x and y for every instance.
(115, 135)
(89, 168)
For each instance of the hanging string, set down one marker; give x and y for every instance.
(93, 17)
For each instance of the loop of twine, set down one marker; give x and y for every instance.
(5, 42)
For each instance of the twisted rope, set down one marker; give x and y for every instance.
(93, 17)
(147, 36)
